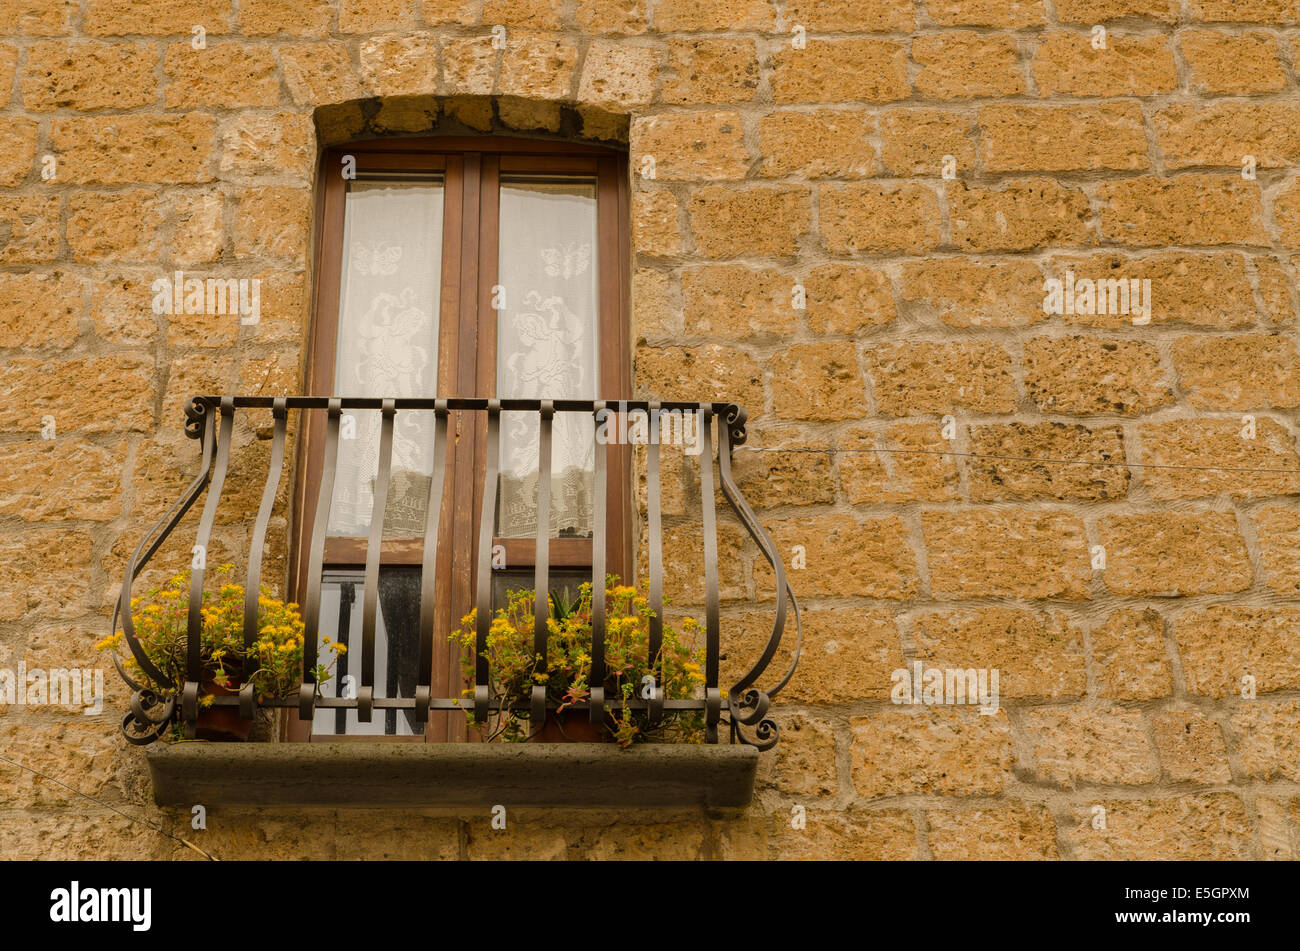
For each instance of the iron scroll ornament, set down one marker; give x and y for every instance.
(749, 705)
(150, 714)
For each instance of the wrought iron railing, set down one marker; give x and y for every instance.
(211, 419)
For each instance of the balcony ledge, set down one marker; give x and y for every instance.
(453, 775)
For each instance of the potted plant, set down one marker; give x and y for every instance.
(161, 621)
(510, 658)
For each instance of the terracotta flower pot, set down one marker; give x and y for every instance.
(222, 724)
(570, 726)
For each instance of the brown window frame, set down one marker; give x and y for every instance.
(467, 361)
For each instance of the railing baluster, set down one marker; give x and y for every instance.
(252, 589)
(315, 563)
(374, 552)
(655, 707)
(347, 598)
(482, 689)
(597, 677)
(712, 694)
(541, 563)
(194, 625)
(429, 564)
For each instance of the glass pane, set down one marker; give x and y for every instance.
(397, 645)
(563, 582)
(389, 294)
(546, 347)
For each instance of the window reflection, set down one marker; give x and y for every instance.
(397, 645)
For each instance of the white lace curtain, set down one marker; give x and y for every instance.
(388, 346)
(546, 348)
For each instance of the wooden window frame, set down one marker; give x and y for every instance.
(471, 168)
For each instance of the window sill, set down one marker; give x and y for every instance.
(452, 775)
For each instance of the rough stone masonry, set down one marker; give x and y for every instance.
(918, 171)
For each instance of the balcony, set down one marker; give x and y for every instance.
(718, 772)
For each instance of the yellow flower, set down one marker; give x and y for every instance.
(205, 700)
(341, 648)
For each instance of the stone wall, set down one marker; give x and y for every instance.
(917, 171)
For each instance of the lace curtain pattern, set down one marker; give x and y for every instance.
(388, 346)
(546, 348)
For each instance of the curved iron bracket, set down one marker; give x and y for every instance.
(748, 704)
(150, 714)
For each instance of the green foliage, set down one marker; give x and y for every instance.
(568, 663)
(161, 621)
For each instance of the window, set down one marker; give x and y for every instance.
(460, 267)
